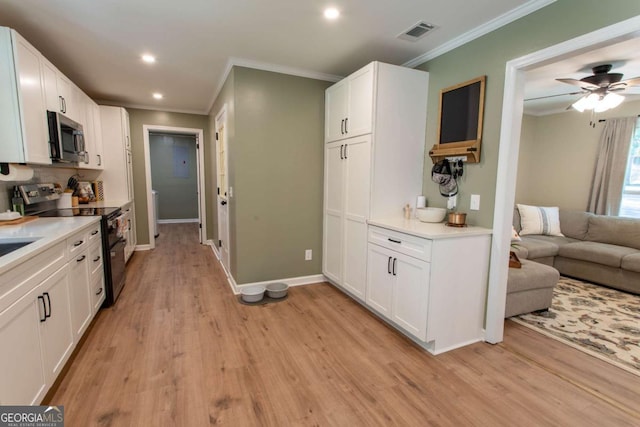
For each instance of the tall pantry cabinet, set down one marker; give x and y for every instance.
(375, 123)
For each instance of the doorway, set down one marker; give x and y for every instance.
(223, 192)
(512, 111)
(179, 163)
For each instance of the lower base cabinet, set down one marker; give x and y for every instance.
(37, 341)
(433, 290)
(40, 328)
(398, 289)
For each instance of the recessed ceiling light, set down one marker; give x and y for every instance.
(158, 95)
(149, 59)
(331, 13)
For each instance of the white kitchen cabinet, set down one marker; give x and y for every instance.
(21, 368)
(349, 105)
(23, 124)
(56, 334)
(347, 209)
(374, 174)
(34, 325)
(79, 283)
(432, 289)
(130, 235)
(92, 134)
(118, 175)
(61, 95)
(398, 289)
(96, 266)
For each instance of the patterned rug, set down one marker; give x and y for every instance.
(602, 322)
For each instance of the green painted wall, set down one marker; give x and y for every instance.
(276, 154)
(138, 118)
(488, 55)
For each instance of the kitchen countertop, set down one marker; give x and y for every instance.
(428, 230)
(106, 204)
(48, 231)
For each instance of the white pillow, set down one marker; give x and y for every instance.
(539, 220)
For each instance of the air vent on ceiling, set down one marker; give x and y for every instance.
(417, 31)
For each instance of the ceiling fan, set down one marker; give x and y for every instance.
(600, 89)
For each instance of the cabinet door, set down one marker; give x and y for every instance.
(89, 133)
(333, 207)
(55, 332)
(411, 295)
(360, 106)
(79, 293)
(23, 379)
(34, 119)
(379, 279)
(98, 144)
(53, 100)
(336, 111)
(357, 157)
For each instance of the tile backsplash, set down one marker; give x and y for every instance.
(43, 174)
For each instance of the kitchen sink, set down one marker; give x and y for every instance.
(9, 245)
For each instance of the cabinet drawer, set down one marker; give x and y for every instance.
(95, 261)
(19, 280)
(77, 243)
(94, 233)
(407, 244)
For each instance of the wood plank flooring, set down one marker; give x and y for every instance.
(179, 350)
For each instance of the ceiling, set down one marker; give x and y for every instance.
(98, 44)
(541, 83)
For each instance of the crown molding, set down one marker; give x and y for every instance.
(149, 107)
(480, 31)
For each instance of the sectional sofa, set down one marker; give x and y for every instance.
(596, 248)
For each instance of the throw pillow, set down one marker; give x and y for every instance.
(539, 220)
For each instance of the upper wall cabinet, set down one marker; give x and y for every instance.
(61, 95)
(349, 105)
(94, 158)
(23, 122)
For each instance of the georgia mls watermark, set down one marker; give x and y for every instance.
(31, 416)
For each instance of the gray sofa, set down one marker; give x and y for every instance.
(596, 248)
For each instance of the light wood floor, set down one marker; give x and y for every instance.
(179, 350)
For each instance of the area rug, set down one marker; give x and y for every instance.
(597, 320)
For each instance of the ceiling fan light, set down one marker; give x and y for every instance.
(611, 100)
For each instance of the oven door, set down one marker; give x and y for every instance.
(116, 258)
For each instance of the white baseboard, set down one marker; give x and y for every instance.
(216, 252)
(142, 248)
(177, 221)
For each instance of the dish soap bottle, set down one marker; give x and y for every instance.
(17, 201)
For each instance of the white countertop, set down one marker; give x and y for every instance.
(48, 231)
(429, 230)
(106, 204)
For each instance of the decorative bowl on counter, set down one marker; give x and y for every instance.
(430, 214)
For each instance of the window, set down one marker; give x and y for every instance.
(630, 205)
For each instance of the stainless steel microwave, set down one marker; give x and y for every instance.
(66, 139)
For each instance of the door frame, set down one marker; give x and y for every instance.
(512, 111)
(199, 135)
(221, 119)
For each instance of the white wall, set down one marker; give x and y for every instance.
(557, 157)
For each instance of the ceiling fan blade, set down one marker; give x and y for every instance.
(584, 85)
(632, 82)
(553, 96)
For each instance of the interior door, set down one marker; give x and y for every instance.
(223, 195)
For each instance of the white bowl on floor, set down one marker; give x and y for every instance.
(277, 290)
(252, 293)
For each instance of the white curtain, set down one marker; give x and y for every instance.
(611, 165)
